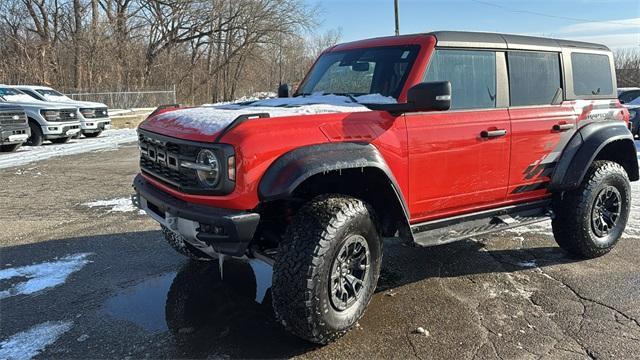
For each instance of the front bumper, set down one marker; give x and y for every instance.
(17, 136)
(95, 125)
(60, 130)
(227, 232)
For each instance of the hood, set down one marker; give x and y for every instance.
(63, 100)
(204, 122)
(37, 104)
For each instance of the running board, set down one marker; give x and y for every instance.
(462, 227)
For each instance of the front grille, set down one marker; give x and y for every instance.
(101, 113)
(68, 115)
(161, 158)
(12, 119)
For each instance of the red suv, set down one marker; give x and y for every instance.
(426, 138)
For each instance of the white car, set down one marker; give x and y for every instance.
(47, 121)
(94, 117)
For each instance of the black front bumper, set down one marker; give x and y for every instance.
(228, 231)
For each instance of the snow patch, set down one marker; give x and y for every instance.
(210, 119)
(110, 139)
(42, 276)
(27, 344)
(527, 264)
(19, 98)
(114, 205)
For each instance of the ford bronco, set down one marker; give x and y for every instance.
(427, 138)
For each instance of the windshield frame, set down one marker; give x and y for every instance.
(415, 51)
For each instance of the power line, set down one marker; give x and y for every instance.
(506, 8)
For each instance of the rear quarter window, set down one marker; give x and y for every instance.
(591, 74)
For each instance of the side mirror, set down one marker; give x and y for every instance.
(434, 95)
(283, 91)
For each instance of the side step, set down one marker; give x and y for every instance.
(462, 227)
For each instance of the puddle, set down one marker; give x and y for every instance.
(194, 297)
(142, 304)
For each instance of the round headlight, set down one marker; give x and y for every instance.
(208, 169)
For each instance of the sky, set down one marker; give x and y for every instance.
(615, 23)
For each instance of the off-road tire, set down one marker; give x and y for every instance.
(572, 225)
(36, 138)
(62, 140)
(92, 135)
(178, 243)
(301, 274)
(9, 148)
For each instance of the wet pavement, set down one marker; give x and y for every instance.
(102, 283)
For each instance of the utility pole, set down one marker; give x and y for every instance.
(395, 9)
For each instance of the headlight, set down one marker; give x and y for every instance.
(50, 115)
(206, 166)
(632, 114)
(88, 113)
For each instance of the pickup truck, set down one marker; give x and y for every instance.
(94, 117)
(14, 128)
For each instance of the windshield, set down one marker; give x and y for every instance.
(52, 95)
(381, 70)
(9, 94)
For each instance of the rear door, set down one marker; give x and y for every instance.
(541, 125)
(452, 167)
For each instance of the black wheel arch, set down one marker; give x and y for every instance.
(347, 168)
(607, 140)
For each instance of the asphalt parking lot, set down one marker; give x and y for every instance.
(84, 275)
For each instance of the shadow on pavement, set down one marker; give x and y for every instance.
(207, 315)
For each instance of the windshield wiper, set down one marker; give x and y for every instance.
(349, 95)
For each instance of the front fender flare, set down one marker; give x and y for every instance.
(294, 167)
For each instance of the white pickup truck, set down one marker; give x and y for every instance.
(94, 117)
(47, 121)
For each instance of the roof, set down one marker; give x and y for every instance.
(31, 87)
(468, 39)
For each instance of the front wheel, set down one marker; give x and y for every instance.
(590, 220)
(327, 268)
(36, 137)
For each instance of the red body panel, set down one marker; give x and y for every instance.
(441, 163)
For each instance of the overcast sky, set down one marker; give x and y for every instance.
(615, 23)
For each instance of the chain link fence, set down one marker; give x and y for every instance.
(128, 99)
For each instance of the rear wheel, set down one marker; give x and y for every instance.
(62, 140)
(327, 268)
(9, 148)
(590, 220)
(92, 135)
(179, 244)
(36, 137)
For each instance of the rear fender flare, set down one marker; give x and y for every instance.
(584, 147)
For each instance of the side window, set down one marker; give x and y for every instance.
(534, 77)
(28, 92)
(629, 96)
(472, 75)
(591, 74)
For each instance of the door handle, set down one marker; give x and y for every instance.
(563, 127)
(493, 133)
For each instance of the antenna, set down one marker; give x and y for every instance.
(395, 9)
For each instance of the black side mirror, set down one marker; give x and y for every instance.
(283, 91)
(434, 95)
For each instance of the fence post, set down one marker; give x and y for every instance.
(174, 94)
